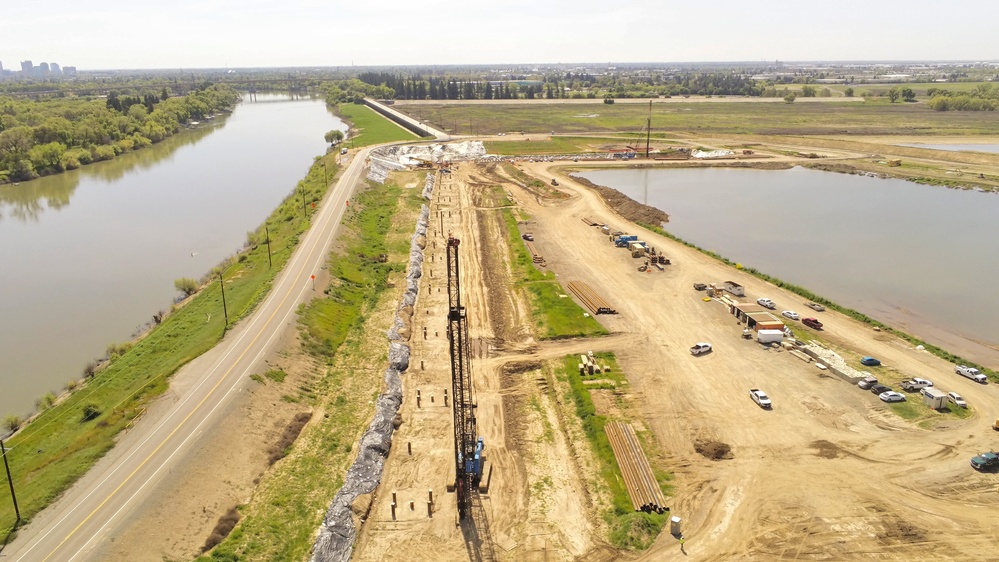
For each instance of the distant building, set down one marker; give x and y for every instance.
(43, 68)
(54, 68)
(1, 70)
(69, 71)
(27, 67)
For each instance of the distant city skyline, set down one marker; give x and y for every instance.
(302, 33)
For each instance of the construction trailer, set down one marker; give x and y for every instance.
(734, 288)
(769, 336)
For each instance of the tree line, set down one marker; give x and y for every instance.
(39, 137)
(567, 85)
(985, 97)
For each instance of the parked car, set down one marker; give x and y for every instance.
(700, 348)
(916, 384)
(528, 236)
(700, 286)
(812, 323)
(870, 362)
(815, 306)
(879, 388)
(790, 314)
(985, 461)
(956, 399)
(867, 382)
(891, 396)
(970, 372)
(760, 398)
(766, 303)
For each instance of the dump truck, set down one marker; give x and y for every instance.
(624, 240)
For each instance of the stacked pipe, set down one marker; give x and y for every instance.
(643, 488)
(591, 300)
(535, 254)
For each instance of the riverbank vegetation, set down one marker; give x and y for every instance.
(53, 135)
(345, 330)
(64, 441)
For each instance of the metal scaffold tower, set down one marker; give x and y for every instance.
(467, 450)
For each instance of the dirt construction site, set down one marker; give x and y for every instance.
(829, 473)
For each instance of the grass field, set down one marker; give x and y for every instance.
(704, 118)
(66, 442)
(369, 127)
(628, 529)
(279, 524)
(548, 145)
(554, 316)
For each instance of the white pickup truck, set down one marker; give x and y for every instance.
(970, 372)
(700, 348)
(760, 398)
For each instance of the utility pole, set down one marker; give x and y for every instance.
(3, 450)
(267, 232)
(648, 131)
(225, 311)
(326, 179)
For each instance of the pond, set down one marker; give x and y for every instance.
(918, 257)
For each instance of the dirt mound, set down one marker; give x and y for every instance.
(825, 449)
(626, 206)
(514, 367)
(713, 450)
(898, 531)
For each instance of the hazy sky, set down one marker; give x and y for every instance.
(247, 33)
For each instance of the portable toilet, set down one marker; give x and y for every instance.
(674, 526)
(934, 398)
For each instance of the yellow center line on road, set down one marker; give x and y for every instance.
(196, 408)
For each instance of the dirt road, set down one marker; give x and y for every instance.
(830, 473)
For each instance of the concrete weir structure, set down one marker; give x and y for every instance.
(406, 121)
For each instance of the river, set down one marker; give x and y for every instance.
(90, 255)
(918, 257)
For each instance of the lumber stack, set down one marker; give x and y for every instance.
(590, 222)
(536, 256)
(646, 495)
(590, 298)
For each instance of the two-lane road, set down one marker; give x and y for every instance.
(73, 528)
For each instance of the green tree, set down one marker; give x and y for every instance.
(808, 91)
(11, 423)
(908, 94)
(334, 136)
(186, 285)
(893, 94)
(848, 92)
(790, 97)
